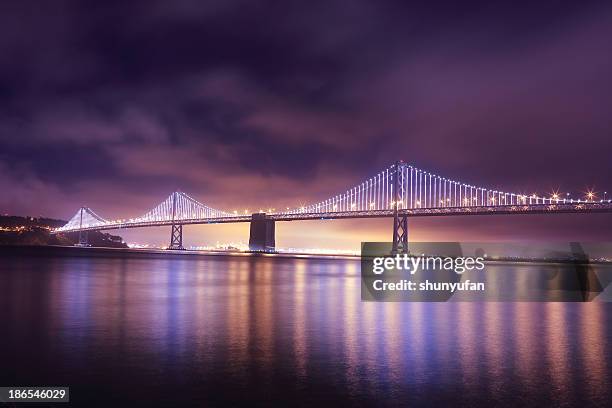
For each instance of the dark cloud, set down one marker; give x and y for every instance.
(288, 102)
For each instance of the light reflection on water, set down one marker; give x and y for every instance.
(233, 330)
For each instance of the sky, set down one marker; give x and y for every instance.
(248, 105)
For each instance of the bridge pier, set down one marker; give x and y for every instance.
(176, 237)
(261, 236)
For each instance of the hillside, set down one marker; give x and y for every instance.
(36, 231)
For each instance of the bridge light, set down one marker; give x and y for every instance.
(235, 212)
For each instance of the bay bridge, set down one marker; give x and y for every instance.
(400, 191)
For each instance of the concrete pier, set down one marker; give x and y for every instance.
(262, 233)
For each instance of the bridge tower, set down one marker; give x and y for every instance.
(83, 235)
(261, 237)
(176, 235)
(400, 219)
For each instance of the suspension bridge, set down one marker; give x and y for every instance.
(399, 191)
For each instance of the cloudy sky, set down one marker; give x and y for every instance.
(250, 104)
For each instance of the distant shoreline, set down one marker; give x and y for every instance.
(74, 251)
(44, 250)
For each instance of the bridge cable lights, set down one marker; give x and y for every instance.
(390, 189)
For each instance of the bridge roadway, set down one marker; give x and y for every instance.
(573, 208)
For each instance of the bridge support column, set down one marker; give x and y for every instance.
(176, 237)
(400, 234)
(83, 238)
(400, 220)
(261, 236)
(83, 235)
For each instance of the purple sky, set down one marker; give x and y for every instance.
(114, 105)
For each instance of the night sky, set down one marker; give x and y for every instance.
(256, 104)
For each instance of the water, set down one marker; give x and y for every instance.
(243, 330)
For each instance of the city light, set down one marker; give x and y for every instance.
(590, 195)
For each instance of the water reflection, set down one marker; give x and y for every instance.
(281, 328)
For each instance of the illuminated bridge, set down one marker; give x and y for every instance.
(399, 191)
